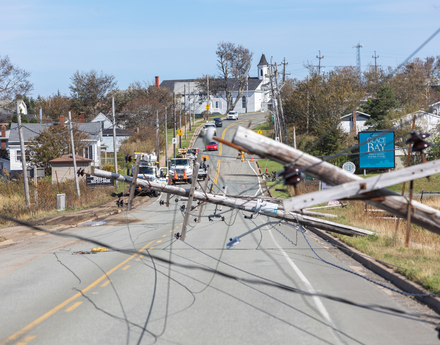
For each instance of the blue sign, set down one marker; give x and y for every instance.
(378, 152)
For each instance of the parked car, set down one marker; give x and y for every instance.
(218, 122)
(212, 146)
(232, 115)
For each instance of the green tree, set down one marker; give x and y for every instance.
(54, 142)
(88, 91)
(380, 106)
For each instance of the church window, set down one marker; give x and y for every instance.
(243, 102)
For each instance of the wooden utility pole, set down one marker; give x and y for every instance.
(189, 106)
(191, 196)
(23, 159)
(166, 137)
(114, 140)
(174, 122)
(133, 182)
(281, 107)
(157, 136)
(375, 57)
(204, 188)
(284, 69)
(274, 107)
(207, 102)
(320, 58)
(245, 204)
(385, 199)
(72, 143)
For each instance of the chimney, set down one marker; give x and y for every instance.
(354, 129)
(81, 118)
(62, 120)
(3, 129)
(157, 81)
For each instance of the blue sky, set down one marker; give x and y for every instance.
(137, 40)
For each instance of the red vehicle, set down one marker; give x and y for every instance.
(212, 146)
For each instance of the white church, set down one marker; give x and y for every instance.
(255, 96)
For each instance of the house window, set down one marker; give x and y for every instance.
(216, 104)
(19, 156)
(243, 102)
(90, 152)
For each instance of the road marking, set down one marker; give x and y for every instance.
(126, 267)
(106, 283)
(177, 227)
(140, 257)
(164, 235)
(159, 241)
(27, 339)
(60, 306)
(319, 305)
(150, 248)
(171, 230)
(73, 307)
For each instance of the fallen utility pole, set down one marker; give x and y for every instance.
(387, 200)
(250, 205)
(133, 182)
(191, 196)
(362, 189)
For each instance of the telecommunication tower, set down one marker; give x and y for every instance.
(358, 55)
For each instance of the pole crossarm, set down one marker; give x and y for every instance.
(425, 216)
(250, 205)
(362, 187)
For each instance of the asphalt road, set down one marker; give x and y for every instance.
(59, 297)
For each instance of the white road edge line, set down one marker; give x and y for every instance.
(324, 313)
(258, 178)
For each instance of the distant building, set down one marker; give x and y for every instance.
(254, 97)
(347, 122)
(63, 167)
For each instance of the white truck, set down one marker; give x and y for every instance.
(149, 170)
(180, 169)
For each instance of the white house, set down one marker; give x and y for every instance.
(31, 130)
(254, 98)
(347, 123)
(9, 107)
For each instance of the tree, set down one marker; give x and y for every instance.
(380, 106)
(13, 81)
(233, 63)
(54, 142)
(53, 106)
(88, 91)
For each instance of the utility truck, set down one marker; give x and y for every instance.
(149, 170)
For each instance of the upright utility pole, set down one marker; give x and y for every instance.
(184, 106)
(274, 107)
(281, 107)
(114, 141)
(189, 105)
(194, 109)
(157, 136)
(284, 69)
(23, 159)
(247, 91)
(174, 121)
(72, 143)
(375, 57)
(166, 137)
(320, 58)
(207, 110)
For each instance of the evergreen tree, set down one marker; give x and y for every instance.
(379, 107)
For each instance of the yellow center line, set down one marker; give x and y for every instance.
(140, 257)
(126, 267)
(69, 300)
(27, 339)
(106, 283)
(159, 241)
(73, 307)
(150, 248)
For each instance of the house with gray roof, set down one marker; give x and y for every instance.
(254, 98)
(31, 130)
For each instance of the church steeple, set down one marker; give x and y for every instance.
(262, 68)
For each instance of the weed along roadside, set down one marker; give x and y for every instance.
(419, 262)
